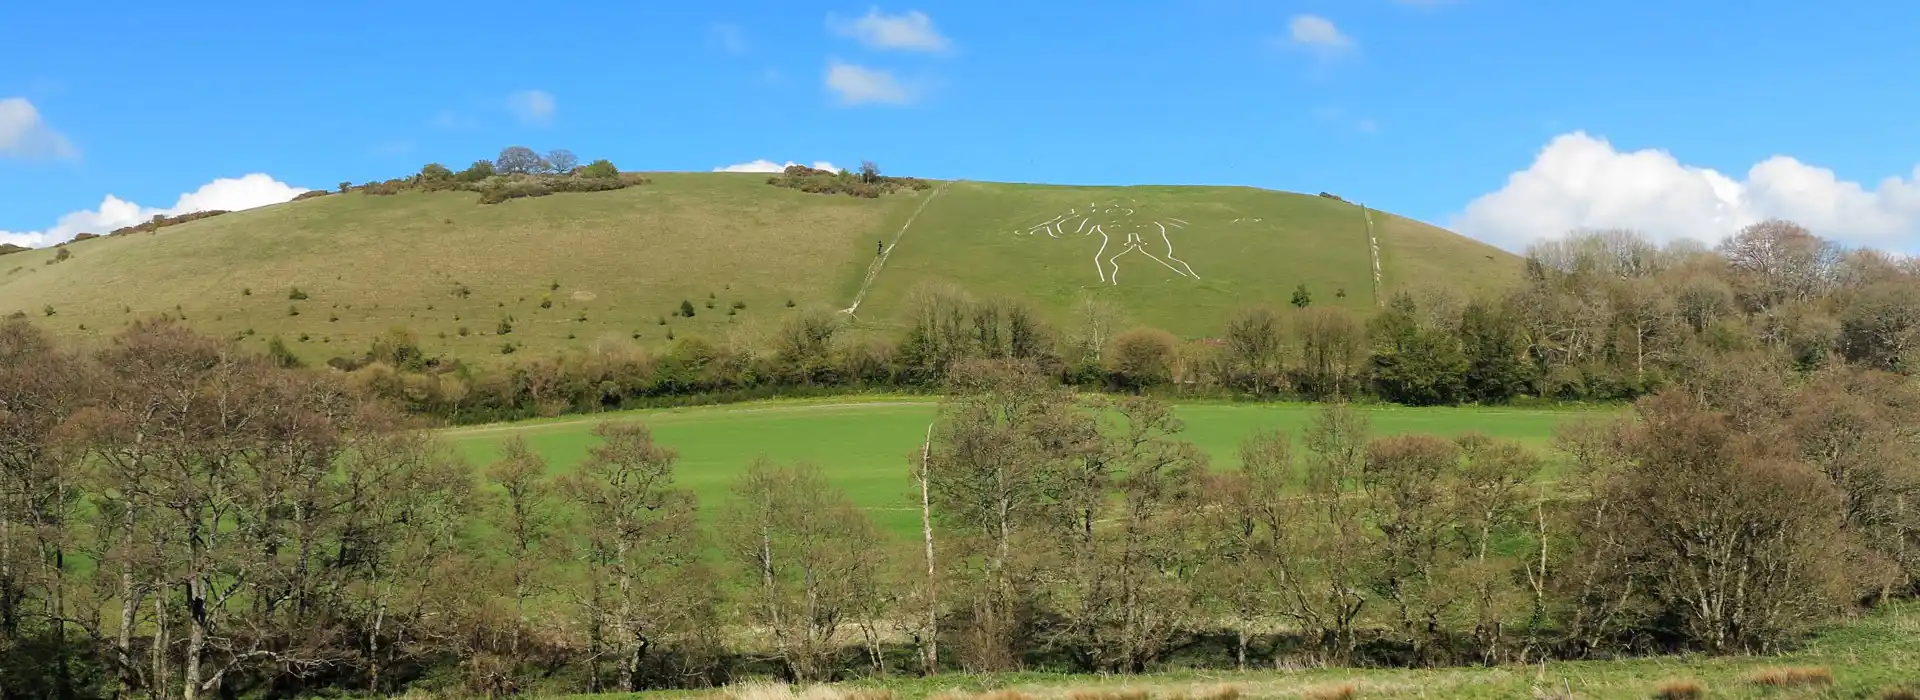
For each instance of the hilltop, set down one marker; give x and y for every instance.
(327, 274)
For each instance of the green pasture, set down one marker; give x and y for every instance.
(866, 447)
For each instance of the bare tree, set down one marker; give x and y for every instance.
(561, 161)
(519, 160)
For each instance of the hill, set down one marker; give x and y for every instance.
(328, 274)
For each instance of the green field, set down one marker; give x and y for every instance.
(613, 265)
(1866, 657)
(865, 447)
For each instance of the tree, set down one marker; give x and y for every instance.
(435, 172)
(1301, 297)
(1003, 434)
(1332, 351)
(1332, 555)
(1404, 482)
(1413, 362)
(1497, 370)
(524, 513)
(561, 161)
(1252, 350)
(519, 160)
(1142, 358)
(641, 545)
(1881, 329)
(813, 558)
(869, 171)
(686, 308)
(602, 168)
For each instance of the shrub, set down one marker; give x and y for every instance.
(602, 168)
(310, 194)
(1141, 358)
(246, 291)
(333, 318)
(553, 286)
(546, 302)
(293, 310)
(507, 348)
(663, 321)
(479, 171)
(503, 190)
(789, 303)
(1898, 693)
(279, 355)
(296, 295)
(48, 310)
(505, 327)
(1679, 689)
(461, 290)
(686, 308)
(1790, 676)
(581, 318)
(709, 303)
(737, 304)
(463, 331)
(60, 256)
(435, 172)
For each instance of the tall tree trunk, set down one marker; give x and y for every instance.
(196, 637)
(932, 663)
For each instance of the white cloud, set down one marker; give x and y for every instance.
(858, 85)
(766, 166)
(23, 134)
(1317, 34)
(909, 31)
(1582, 182)
(231, 194)
(728, 38)
(535, 107)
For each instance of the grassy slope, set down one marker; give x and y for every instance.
(864, 447)
(1866, 657)
(624, 258)
(627, 258)
(1247, 246)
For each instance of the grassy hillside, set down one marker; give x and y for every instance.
(1230, 247)
(580, 268)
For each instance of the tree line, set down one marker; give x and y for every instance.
(1598, 316)
(179, 519)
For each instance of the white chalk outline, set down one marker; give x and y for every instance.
(1108, 266)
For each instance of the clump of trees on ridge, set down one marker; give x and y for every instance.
(518, 172)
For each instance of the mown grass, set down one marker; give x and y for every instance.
(865, 446)
(624, 260)
(1872, 657)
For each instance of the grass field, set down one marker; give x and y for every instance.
(613, 265)
(865, 447)
(1865, 658)
(1242, 246)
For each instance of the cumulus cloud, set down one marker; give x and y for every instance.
(909, 31)
(23, 134)
(1582, 182)
(766, 166)
(1318, 35)
(231, 194)
(534, 107)
(858, 85)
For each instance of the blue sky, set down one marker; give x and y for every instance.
(1507, 119)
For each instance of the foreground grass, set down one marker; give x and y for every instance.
(1865, 658)
(866, 446)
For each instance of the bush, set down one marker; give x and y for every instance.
(435, 172)
(1141, 358)
(602, 168)
(505, 327)
(296, 295)
(1791, 676)
(293, 310)
(310, 194)
(462, 331)
(48, 310)
(686, 308)
(1679, 689)
(279, 355)
(478, 172)
(503, 190)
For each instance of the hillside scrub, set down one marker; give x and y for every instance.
(518, 173)
(866, 183)
(185, 521)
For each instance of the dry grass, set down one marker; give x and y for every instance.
(1791, 676)
(1335, 691)
(761, 690)
(1899, 694)
(1679, 689)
